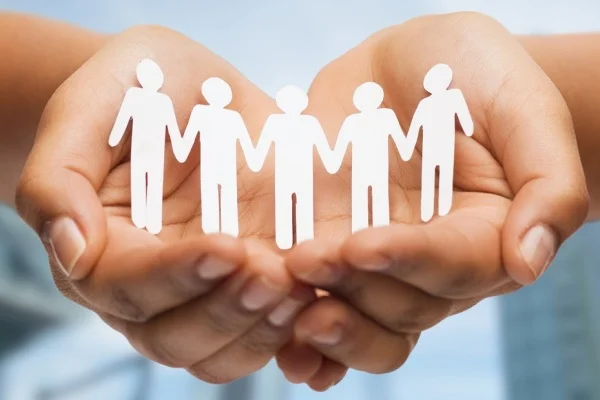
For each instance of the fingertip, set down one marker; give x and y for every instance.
(325, 320)
(330, 374)
(269, 266)
(316, 263)
(299, 362)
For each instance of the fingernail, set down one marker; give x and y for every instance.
(259, 293)
(66, 242)
(214, 268)
(328, 338)
(538, 248)
(285, 311)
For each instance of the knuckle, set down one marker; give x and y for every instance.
(405, 269)
(468, 280)
(462, 282)
(124, 306)
(263, 341)
(224, 322)
(201, 372)
(417, 319)
(163, 354)
(152, 346)
(182, 288)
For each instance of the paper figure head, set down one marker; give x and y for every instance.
(438, 78)
(368, 97)
(292, 100)
(217, 92)
(149, 75)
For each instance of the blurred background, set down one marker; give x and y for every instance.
(541, 343)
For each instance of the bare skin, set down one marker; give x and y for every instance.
(30, 72)
(75, 181)
(390, 284)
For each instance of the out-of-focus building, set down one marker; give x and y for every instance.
(29, 301)
(551, 330)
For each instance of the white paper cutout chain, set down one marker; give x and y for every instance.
(293, 135)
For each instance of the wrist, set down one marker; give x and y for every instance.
(42, 54)
(39, 56)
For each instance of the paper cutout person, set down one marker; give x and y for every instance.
(219, 130)
(294, 136)
(152, 113)
(436, 114)
(369, 131)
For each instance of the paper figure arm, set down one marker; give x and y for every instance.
(464, 116)
(191, 131)
(343, 140)
(123, 117)
(413, 133)
(392, 123)
(175, 134)
(322, 145)
(256, 161)
(245, 140)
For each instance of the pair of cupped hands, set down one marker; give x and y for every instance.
(222, 307)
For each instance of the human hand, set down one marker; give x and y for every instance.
(204, 303)
(519, 192)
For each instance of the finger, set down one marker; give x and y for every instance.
(194, 331)
(254, 349)
(320, 264)
(344, 335)
(455, 257)
(330, 374)
(298, 361)
(71, 158)
(144, 281)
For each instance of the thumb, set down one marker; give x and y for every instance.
(542, 164)
(57, 194)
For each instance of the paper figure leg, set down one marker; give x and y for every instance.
(305, 217)
(427, 191)
(446, 187)
(154, 212)
(138, 194)
(209, 199)
(360, 206)
(284, 234)
(229, 210)
(381, 204)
